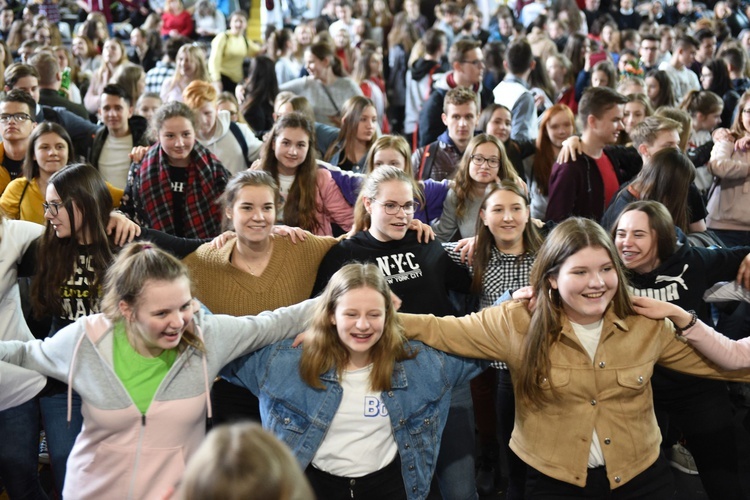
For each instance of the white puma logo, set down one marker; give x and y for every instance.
(676, 279)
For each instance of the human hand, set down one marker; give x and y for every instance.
(221, 240)
(137, 154)
(294, 233)
(124, 229)
(466, 247)
(425, 234)
(571, 148)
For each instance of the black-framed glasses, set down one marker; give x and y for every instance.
(15, 117)
(480, 160)
(53, 208)
(476, 62)
(392, 208)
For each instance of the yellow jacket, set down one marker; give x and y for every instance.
(28, 206)
(611, 393)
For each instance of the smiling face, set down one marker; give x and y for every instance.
(506, 214)
(253, 214)
(636, 242)
(559, 128)
(707, 78)
(634, 113)
(599, 79)
(50, 153)
(290, 149)
(318, 68)
(177, 138)
(115, 112)
(79, 48)
(484, 174)
(111, 52)
(587, 282)
(185, 64)
(607, 128)
(61, 221)
(164, 310)
(237, 25)
(368, 124)
(389, 157)
(359, 318)
(385, 227)
(500, 124)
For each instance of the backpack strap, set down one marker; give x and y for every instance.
(422, 170)
(237, 133)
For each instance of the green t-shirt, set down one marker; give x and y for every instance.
(140, 375)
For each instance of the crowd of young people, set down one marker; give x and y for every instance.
(578, 155)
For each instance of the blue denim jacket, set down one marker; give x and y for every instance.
(300, 415)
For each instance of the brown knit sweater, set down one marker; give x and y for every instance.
(287, 280)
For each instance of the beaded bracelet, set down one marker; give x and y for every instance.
(693, 321)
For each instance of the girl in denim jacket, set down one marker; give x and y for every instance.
(362, 409)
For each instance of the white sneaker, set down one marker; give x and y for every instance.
(682, 460)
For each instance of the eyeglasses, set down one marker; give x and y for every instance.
(479, 160)
(53, 208)
(392, 208)
(16, 118)
(476, 62)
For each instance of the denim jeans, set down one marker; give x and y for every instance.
(19, 453)
(455, 465)
(60, 436)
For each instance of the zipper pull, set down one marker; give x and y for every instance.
(143, 420)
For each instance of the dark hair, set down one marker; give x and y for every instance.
(659, 220)
(30, 165)
(598, 100)
(666, 178)
(736, 57)
(519, 56)
(117, 91)
(323, 50)
(703, 34)
(720, 81)
(685, 41)
(261, 86)
(666, 95)
(459, 49)
(433, 40)
(173, 45)
(16, 71)
(702, 101)
(17, 95)
(300, 207)
(80, 186)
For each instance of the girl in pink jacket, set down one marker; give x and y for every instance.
(144, 369)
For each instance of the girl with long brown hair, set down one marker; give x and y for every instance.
(359, 129)
(585, 421)
(310, 198)
(360, 392)
(483, 164)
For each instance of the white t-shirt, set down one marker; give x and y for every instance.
(285, 184)
(589, 336)
(683, 80)
(114, 161)
(360, 438)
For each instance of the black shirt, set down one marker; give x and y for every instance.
(14, 167)
(178, 178)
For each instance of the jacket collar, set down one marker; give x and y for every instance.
(398, 378)
(611, 324)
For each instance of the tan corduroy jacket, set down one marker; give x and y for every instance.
(611, 393)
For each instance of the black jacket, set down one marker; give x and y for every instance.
(138, 126)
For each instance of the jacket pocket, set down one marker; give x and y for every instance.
(559, 379)
(423, 426)
(287, 419)
(636, 378)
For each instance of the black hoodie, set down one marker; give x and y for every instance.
(682, 279)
